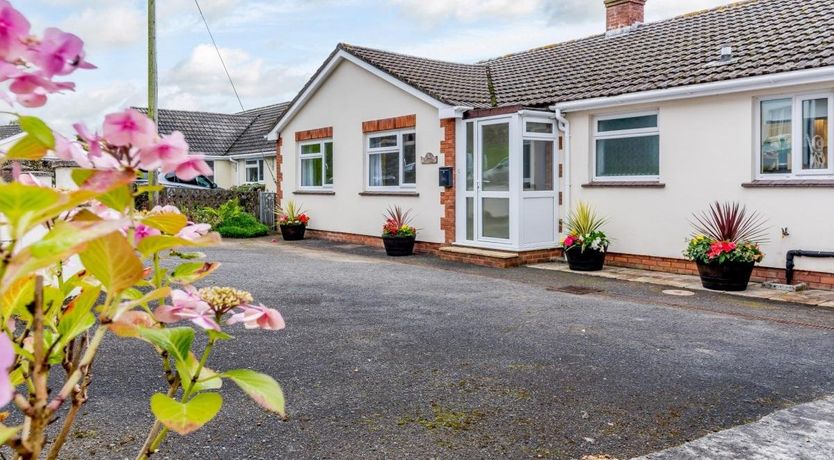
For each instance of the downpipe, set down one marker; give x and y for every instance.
(789, 260)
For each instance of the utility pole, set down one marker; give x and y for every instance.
(153, 89)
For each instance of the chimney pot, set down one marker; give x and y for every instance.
(624, 13)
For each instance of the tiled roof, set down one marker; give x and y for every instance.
(253, 139)
(222, 134)
(767, 37)
(454, 84)
(9, 130)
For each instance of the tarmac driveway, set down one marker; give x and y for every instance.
(418, 358)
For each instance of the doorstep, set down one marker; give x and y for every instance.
(812, 297)
(493, 258)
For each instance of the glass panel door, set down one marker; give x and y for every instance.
(493, 184)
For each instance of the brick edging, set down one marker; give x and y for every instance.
(387, 124)
(313, 134)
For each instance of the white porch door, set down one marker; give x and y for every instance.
(492, 182)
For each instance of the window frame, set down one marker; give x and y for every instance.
(260, 164)
(301, 157)
(797, 172)
(625, 134)
(400, 149)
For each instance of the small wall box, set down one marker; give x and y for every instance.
(446, 176)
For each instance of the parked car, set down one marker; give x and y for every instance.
(171, 180)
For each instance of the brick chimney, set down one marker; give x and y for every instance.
(624, 13)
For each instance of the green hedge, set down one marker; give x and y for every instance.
(243, 225)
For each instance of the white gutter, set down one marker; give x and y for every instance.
(564, 126)
(800, 77)
(251, 155)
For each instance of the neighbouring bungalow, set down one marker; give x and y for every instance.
(648, 122)
(234, 145)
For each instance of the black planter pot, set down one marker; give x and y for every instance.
(399, 246)
(589, 260)
(293, 232)
(730, 276)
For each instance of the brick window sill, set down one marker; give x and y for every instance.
(391, 193)
(314, 192)
(790, 183)
(630, 184)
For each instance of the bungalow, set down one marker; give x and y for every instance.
(648, 122)
(234, 145)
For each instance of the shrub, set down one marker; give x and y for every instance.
(206, 215)
(248, 188)
(584, 228)
(243, 225)
(398, 223)
(727, 232)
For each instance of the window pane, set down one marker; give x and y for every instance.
(470, 219)
(470, 156)
(310, 149)
(496, 218)
(252, 174)
(311, 172)
(815, 134)
(630, 156)
(619, 124)
(776, 136)
(538, 165)
(538, 127)
(409, 159)
(328, 163)
(382, 141)
(384, 169)
(495, 165)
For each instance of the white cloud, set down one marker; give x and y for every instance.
(199, 82)
(467, 10)
(105, 28)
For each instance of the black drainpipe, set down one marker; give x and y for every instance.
(789, 265)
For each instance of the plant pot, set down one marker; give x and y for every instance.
(589, 260)
(399, 246)
(729, 276)
(292, 232)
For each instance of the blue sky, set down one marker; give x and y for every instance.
(273, 46)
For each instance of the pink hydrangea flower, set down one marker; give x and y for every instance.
(143, 231)
(93, 140)
(193, 167)
(167, 209)
(59, 53)
(129, 128)
(194, 232)
(187, 305)
(7, 357)
(258, 317)
(14, 28)
(168, 153)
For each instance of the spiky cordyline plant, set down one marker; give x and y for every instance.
(398, 222)
(584, 220)
(730, 221)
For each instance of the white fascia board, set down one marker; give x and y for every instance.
(801, 77)
(453, 112)
(269, 154)
(215, 157)
(329, 68)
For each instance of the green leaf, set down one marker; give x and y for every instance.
(27, 148)
(7, 432)
(218, 335)
(157, 243)
(17, 295)
(65, 239)
(79, 316)
(189, 417)
(208, 379)
(20, 203)
(37, 129)
(169, 222)
(191, 272)
(175, 340)
(112, 261)
(156, 294)
(148, 189)
(263, 389)
(119, 198)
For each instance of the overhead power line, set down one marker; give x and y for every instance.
(216, 48)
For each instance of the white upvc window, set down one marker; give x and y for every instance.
(315, 164)
(794, 136)
(626, 147)
(391, 159)
(254, 171)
